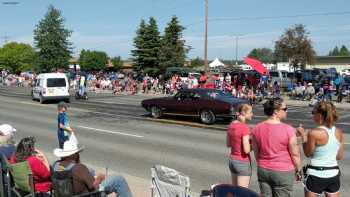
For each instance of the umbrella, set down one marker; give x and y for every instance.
(256, 65)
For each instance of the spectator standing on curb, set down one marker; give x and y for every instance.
(238, 139)
(276, 151)
(324, 145)
(64, 129)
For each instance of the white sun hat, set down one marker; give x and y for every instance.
(69, 148)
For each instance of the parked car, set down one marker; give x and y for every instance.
(206, 104)
(345, 72)
(281, 77)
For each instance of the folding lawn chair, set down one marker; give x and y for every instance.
(167, 182)
(22, 180)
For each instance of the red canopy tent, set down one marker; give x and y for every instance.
(256, 65)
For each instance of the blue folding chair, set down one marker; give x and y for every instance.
(227, 190)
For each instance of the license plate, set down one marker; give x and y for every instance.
(51, 91)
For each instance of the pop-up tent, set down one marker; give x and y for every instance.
(216, 63)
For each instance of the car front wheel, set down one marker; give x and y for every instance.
(156, 112)
(207, 116)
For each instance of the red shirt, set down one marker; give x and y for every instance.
(235, 133)
(41, 175)
(273, 145)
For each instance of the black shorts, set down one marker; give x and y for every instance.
(319, 185)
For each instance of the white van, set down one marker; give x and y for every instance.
(51, 86)
(281, 77)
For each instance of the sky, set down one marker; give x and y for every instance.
(110, 25)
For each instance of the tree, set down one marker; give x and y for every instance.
(139, 43)
(17, 57)
(147, 46)
(93, 60)
(51, 39)
(173, 51)
(263, 54)
(197, 62)
(117, 63)
(334, 52)
(343, 51)
(296, 46)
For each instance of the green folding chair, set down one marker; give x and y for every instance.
(22, 179)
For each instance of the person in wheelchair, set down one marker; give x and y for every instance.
(84, 180)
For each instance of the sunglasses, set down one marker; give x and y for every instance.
(284, 109)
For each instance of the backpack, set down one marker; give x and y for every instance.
(62, 180)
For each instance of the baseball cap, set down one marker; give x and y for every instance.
(7, 129)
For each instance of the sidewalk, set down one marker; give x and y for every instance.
(300, 103)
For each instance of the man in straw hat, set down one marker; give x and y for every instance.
(7, 143)
(83, 179)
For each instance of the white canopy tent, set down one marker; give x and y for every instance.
(216, 63)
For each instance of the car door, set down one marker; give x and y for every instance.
(36, 89)
(182, 104)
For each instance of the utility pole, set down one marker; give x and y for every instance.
(206, 38)
(236, 50)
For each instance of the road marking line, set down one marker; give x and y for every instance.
(111, 132)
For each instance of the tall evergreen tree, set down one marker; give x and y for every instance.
(173, 51)
(152, 44)
(51, 39)
(343, 51)
(147, 46)
(335, 51)
(138, 53)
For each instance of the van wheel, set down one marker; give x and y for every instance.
(207, 116)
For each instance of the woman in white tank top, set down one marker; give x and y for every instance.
(324, 145)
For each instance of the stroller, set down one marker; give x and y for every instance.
(227, 190)
(167, 182)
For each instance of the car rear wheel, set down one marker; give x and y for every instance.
(156, 112)
(207, 116)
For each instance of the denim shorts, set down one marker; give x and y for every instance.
(240, 168)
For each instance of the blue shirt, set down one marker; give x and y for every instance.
(62, 119)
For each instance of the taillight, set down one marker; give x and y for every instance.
(44, 91)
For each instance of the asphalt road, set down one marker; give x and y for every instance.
(117, 133)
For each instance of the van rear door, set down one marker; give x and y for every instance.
(57, 87)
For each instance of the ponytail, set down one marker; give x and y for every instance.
(328, 112)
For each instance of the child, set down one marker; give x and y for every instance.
(64, 130)
(238, 139)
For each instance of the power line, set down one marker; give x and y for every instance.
(271, 17)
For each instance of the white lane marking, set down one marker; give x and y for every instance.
(111, 132)
(346, 143)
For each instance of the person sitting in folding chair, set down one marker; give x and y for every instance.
(7, 143)
(83, 180)
(37, 162)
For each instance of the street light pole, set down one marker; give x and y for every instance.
(236, 50)
(206, 38)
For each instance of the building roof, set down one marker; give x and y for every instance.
(333, 60)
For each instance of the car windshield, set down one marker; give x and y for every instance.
(219, 95)
(56, 82)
